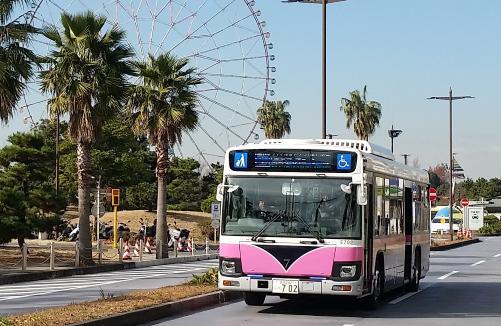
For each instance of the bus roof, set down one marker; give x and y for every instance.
(377, 158)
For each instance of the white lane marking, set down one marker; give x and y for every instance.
(496, 256)
(443, 277)
(93, 285)
(478, 263)
(348, 325)
(404, 297)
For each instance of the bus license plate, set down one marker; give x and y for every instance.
(286, 286)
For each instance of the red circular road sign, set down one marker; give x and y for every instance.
(465, 202)
(432, 194)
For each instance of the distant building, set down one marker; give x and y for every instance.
(494, 207)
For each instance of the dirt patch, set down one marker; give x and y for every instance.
(192, 221)
(108, 305)
(436, 243)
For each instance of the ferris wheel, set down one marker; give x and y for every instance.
(225, 40)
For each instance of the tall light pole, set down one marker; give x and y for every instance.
(450, 98)
(324, 59)
(393, 133)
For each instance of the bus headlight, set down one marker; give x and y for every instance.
(230, 266)
(346, 271)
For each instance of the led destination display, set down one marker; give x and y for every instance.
(292, 161)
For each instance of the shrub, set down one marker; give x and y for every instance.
(207, 278)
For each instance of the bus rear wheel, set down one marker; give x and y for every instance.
(254, 299)
(416, 278)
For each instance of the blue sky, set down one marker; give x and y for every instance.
(404, 51)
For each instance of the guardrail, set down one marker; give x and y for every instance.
(66, 255)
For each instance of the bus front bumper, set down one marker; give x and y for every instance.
(304, 286)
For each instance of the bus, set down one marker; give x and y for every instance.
(321, 217)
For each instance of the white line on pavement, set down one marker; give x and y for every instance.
(404, 297)
(443, 277)
(478, 263)
(496, 256)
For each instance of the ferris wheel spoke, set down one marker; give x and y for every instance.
(222, 124)
(198, 149)
(171, 24)
(213, 101)
(211, 138)
(179, 149)
(196, 30)
(229, 44)
(233, 24)
(232, 76)
(231, 92)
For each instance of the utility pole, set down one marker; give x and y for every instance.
(405, 158)
(450, 98)
(57, 153)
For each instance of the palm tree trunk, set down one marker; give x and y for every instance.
(83, 170)
(162, 241)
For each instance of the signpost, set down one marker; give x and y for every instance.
(465, 202)
(215, 216)
(475, 217)
(433, 194)
(115, 201)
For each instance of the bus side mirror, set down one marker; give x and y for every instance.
(362, 195)
(220, 192)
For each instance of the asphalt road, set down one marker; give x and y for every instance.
(30, 296)
(462, 288)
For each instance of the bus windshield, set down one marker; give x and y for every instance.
(293, 207)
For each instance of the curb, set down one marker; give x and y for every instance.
(37, 276)
(165, 310)
(455, 245)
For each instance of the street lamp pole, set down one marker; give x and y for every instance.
(450, 98)
(324, 69)
(393, 133)
(323, 123)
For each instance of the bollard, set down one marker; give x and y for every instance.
(192, 247)
(141, 249)
(206, 246)
(100, 251)
(25, 257)
(175, 248)
(77, 255)
(120, 250)
(51, 260)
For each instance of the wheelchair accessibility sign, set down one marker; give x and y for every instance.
(240, 160)
(343, 162)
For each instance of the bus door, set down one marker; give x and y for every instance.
(369, 238)
(408, 233)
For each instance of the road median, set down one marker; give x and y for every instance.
(447, 245)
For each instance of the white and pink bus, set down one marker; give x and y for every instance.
(329, 217)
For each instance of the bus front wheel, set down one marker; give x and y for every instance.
(373, 301)
(254, 299)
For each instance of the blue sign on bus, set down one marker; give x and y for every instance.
(343, 161)
(240, 160)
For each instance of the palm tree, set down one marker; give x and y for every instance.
(16, 61)
(86, 78)
(274, 119)
(363, 115)
(162, 107)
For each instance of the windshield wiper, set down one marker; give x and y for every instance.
(275, 217)
(317, 234)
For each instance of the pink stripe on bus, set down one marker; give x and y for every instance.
(229, 250)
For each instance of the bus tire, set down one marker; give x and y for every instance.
(416, 277)
(254, 299)
(374, 300)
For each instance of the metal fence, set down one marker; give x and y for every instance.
(66, 255)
